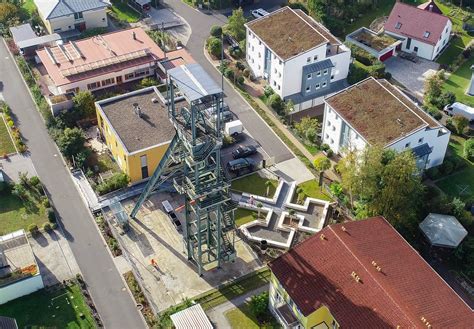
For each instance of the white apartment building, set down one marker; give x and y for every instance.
(374, 112)
(423, 32)
(300, 59)
(65, 15)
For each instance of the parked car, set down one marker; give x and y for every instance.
(257, 13)
(231, 41)
(460, 109)
(226, 116)
(233, 128)
(244, 151)
(168, 209)
(240, 164)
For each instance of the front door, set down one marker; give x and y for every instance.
(144, 166)
(408, 43)
(119, 79)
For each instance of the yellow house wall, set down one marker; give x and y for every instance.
(130, 164)
(317, 317)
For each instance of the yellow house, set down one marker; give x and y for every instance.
(136, 129)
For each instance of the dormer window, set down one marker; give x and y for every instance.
(398, 25)
(427, 34)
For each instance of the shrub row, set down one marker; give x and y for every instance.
(15, 132)
(117, 181)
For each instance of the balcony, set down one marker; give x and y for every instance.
(285, 315)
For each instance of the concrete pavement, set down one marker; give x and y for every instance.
(110, 296)
(200, 24)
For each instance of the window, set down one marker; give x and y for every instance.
(426, 35)
(58, 29)
(279, 75)
(142, 72)
(275, 71)
(274, 83)
(259, 43)
(253, 48)
(337, 117)
(332, 141)
(329, 110)
(332, 77)
(116, 144)
(274, 57)
(318, 74)
(444, 42)
(280, 62)
(308, 59)
(309, 76)
(315, 58)
(357, 136)
(398, 25)
(325, 71)
(329, 123)
(259, 55)
(327, 136)
(415, 49)
(446, 30)
(279, 87)
(107, 82)
(317, 86)
(324, 84)
(78, 15)
(333, 128)
(420, 140)
(144, 165)
(93, 85)
(407, 145)
(308, 89)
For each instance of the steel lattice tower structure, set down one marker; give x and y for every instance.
(193, 164)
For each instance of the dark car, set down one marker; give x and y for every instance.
(240, 164)
(244, 151)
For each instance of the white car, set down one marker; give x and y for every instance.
(257, 13)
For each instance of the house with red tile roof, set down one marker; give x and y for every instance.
(424, 32)
(101, 61)
(362, 274)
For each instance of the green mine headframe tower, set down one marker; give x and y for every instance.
(193, 164)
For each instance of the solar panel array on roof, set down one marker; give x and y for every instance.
(194, 81)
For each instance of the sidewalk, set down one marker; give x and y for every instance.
(217, 314)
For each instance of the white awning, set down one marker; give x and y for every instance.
(192, 317)
(443, 230)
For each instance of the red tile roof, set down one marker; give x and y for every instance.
(318, 272)
(91, 51)
(415, 22)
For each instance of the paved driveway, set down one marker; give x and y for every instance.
(411, 75)
(15, 164)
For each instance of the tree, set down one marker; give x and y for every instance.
(8, 12)
(71, 141)
(259, 305)
(348, 168)
(235, 26)
(148, 82)
(322, 163)
(214, 46)
(299, 194)
(311, 134)
(460, 124)
(305, 124)
(259, 206)
(216, 31)
(84, 103)
(268, 184)
(469, 149)
(289, 106)
(275, 102)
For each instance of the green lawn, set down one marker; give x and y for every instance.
(6, 143)
(242, 317)
(42, 309)
(255, 184)
(312, 190)
(458, 83)
(14, 215)
(461, 183)
(457, 45)
(229, 291)
(244, 216)
(125, 12)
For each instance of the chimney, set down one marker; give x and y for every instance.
(137, 110)
(134, 35)
(430, 7)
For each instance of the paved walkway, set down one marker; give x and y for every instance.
(17, 163)
(217, 314)
(106, 286)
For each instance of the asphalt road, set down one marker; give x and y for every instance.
(115, 306)
(200, 23)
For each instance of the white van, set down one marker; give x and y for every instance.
(167, 207)
(460, 109)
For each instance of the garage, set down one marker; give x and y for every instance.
(386, 56)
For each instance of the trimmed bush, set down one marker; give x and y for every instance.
(447, 167)
(240, 66)
(54, 226)
(246, 73)
(51, 215)
(275, 102)
(216, 31)
(33, 229)
(34, 181)
(115, 182)
(229, 73)
(214, 46)
(268, 91)
(47, 227)
(45, 202)
(240, 80)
